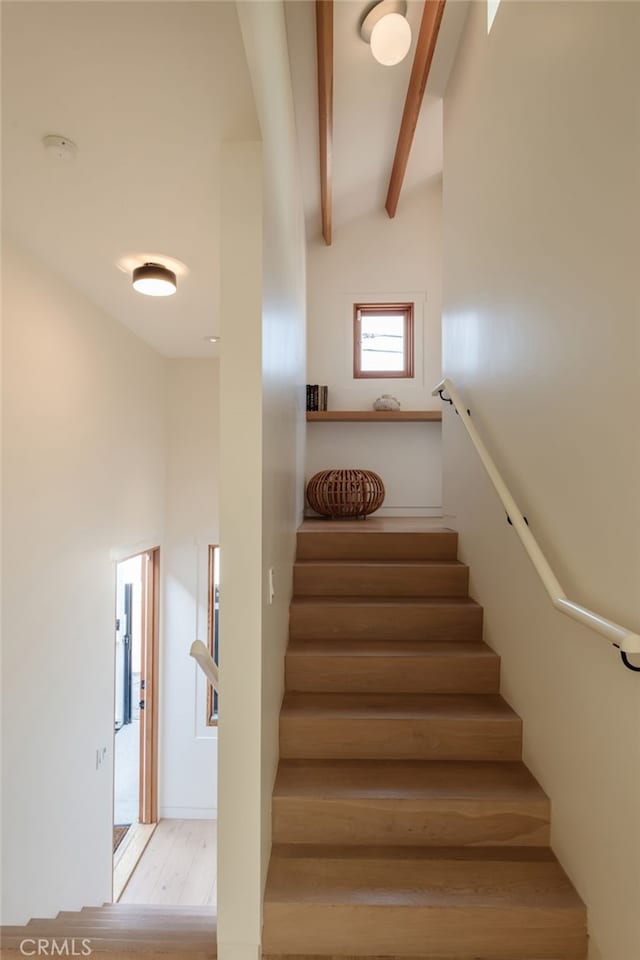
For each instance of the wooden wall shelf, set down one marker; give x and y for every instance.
(374, 416)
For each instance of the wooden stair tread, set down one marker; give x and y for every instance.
(105, 915)
(411, 726)
(131, 934)
(375, 647)
(106, 933)
(393, 525)
(342, 852)
(377, 564)
(151, 909)
(125, 947)
(131, 926)
(271, 955)
(404, 823)
(119, 924)
(389, 877)
(407, 779)
(455, 603)
(384, 706)
(126, 928)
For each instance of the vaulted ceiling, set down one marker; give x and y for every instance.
(147, 91)
(368, 101)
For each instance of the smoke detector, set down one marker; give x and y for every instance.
(59, 147)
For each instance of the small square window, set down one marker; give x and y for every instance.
(382, 340)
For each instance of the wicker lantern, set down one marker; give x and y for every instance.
(342, 494)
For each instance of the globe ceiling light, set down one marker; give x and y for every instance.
(154, 280)
(387, 30)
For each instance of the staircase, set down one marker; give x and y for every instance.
(404, 821)
(118, 929)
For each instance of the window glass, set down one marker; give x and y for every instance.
(382, 340)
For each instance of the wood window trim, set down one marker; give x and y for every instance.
(408, 371)
(211, 587)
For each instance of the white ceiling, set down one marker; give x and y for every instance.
(368, 103)
(147, 91)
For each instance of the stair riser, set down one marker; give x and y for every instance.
(153, 910)
(377, 546)
(308, 673)
(391, 580)
(119, 926)
(325, 621)
(125, 913)
(398, 822)
(320, 737)
(137, 933)
(163, 951)
(443, 932)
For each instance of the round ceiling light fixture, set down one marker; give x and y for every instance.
(387, 30)
(154, 280)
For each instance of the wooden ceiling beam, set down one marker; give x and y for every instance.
(425, 47)
(324, 44)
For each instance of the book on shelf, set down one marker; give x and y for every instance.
(317, 397)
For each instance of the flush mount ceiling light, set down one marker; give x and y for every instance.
(154, 280)
(212, 339)
(386, 28)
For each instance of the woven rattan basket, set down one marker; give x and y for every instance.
(345, 493)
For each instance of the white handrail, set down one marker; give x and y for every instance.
(626, 640)
(206, 663)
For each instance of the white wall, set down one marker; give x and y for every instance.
(103, 441)
(375, 258)
(188, 747)
(240, 711)
(283, 364)
(262, 459)
(541, 335)
(83, 462)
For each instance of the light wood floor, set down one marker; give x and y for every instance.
(178, 866)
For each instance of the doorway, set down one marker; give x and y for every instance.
(135, 711)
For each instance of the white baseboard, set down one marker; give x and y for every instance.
(188, 813)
